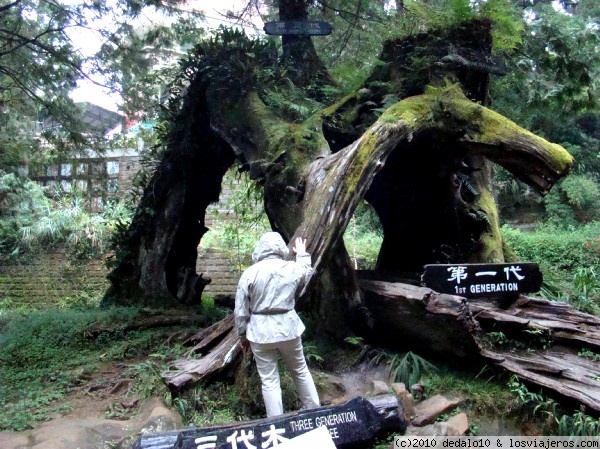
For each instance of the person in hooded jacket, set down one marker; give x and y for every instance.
(266, 321)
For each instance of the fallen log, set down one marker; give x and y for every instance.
(351, 425)
(219, 357)
(206, 339)
(423, 319)
(146, 323)
(573, 378)
(565, 324)
(417, 317)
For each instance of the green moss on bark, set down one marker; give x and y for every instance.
(490, 243)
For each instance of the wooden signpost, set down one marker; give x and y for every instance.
(354, 424)
(298, 28)
(484, 280)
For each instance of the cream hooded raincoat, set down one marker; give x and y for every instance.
(266, 292)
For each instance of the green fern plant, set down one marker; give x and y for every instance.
(182, 407)
(311, 354)
(291, 103)
(578, 424)
(536, 403)
(498, 338)
(410, 367)
(407, 368)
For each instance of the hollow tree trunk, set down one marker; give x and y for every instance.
(334, 185)
(157, 260)
(422, 163)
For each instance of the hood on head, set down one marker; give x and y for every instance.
(271, 244)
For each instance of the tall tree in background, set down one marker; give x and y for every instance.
(553, 88)
(38, 69)
(42, 60)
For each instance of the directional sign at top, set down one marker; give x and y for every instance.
(298, 27)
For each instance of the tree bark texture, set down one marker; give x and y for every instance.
(336, 183)
(219, 348)
(299, 54)
(156, 260)
(545, 346)
(449, 326)
(420, 155)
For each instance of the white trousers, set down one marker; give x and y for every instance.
(266, 356)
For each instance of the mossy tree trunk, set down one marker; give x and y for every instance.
(416, 141)
(424, 165)
(459, 213)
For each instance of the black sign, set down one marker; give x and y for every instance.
(298, 27)
(354, 423)
(484, 280)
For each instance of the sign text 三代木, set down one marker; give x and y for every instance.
(358, 421)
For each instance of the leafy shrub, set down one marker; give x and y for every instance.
(556, 248)
(363, 237)
(578, 424)
(34, 221)
(407, 368)
(363, 248)
(576, 199)
(569, 260)
(22, 203)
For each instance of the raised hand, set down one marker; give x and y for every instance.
(299, 245)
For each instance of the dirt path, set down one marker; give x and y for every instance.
(97, 418)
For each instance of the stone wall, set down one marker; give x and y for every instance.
(215, 263)
(217, 266)
(51, 280)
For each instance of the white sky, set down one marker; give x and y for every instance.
(89, 44)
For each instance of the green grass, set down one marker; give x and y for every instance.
(569, 260)
(44, 355)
